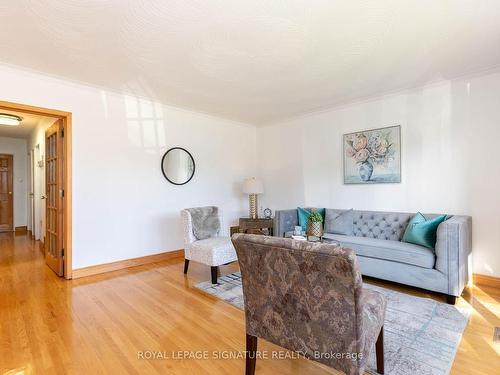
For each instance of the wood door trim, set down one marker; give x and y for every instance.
(33, 110)
(68, 193)
(126, 263)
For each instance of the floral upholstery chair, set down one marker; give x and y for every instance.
(309, 297)
(213, 249)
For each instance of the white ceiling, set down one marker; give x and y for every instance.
(26, 127)
(255, 61)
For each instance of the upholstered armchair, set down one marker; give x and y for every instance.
(309, 298)
(205, 240)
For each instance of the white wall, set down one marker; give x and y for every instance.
(17, 147)
(449, 158)
(476, 123)
(122, 205)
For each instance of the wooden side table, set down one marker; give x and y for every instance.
(256, 226)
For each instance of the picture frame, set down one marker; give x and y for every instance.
(372, 156)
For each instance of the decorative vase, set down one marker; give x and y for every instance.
(315, 228)
(366, 170)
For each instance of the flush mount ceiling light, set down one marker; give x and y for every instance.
(11, 120)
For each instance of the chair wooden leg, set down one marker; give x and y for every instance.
(186, 265)
(379, 351)
(214, 270)
(251, 355)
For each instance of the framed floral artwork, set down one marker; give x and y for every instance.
(373, 156)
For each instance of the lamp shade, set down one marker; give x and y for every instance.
(253, 186)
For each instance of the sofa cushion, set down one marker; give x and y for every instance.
(339, 221)
(381, 225)
(213, 251)
(205, 221)
(422, 231)
(395, 251)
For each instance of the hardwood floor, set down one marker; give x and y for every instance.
(101, 324)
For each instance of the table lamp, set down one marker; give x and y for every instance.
(252, 187)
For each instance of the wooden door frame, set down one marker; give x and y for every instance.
(67, 141)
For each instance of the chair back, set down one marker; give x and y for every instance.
(187, 228)
(303, 296)
(188, 225)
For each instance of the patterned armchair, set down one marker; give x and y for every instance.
(309, 297)
(213, 251)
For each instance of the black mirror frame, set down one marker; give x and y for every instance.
(163, 171)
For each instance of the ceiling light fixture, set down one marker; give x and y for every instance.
(11, 120)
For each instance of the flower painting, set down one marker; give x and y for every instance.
(373, 156)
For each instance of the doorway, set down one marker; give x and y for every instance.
(6, 193)
(57, 186)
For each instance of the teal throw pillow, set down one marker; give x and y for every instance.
(304, 215)
(421, 231)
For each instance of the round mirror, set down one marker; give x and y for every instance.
(177, 165)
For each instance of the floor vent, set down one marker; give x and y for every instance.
(496, 335)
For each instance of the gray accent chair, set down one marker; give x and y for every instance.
(212, 250)
(309, 298)
(376, 239)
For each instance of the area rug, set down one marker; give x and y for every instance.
(421, 336)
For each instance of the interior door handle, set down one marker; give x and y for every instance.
(10, 192)
(43, 197)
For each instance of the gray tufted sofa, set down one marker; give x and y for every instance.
(376, 239)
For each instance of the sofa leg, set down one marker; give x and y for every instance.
(379, 351)
(186, 265)
(251, 355)
(451, 300)
(214, 270)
